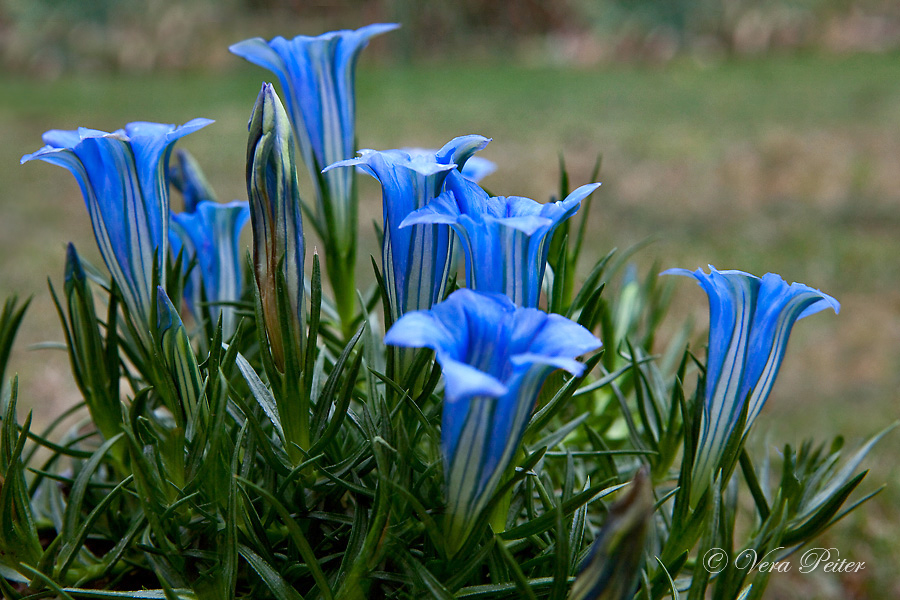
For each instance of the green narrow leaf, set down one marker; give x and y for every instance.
(261, 394)
(19, 540)
(61, 593)
(759, 498)
(72, 544)
(425, 578)
(561, 554)
(518, 577)
(298, 538)
(326, 398)
(820, 520)
(276, 584)
(672, 587)
(547, 520)
(10, 320)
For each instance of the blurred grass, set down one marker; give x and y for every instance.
(788, 164)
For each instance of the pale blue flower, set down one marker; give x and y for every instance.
(494, 357)
(505, 240)
(416, 260)
(211, 235)
(750, 320)
(122, 178)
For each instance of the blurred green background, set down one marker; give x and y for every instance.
(750, 134)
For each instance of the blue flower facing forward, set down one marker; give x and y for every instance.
(750, 320)
(211, 236)
(506, 240)
(416, 260)
(122, 178)
(495, 357)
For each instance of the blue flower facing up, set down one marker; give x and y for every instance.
(750, 320)
(506, 240)
(494, 357)
(211, 236)
(416, 260)
(122, 178)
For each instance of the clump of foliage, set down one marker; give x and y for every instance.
(251, 435)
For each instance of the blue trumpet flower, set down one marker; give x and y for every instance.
(506, 240)
(211, 235)
(317, 75)
(495, 358)
(750, 320)
(416, 260)
(122, 178)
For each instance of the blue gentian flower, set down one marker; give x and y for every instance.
(317, 75)
(211, 235)
(416, 260)
(495, 357)
(506, 240)
(278, 243)
(750, 320)
(122, 178)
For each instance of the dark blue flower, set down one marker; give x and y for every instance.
(122, 178)
(494, 357)
(416, 260)
(211, 236)
(750, 320)
(505, 240)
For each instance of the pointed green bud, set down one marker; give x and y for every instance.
(87, 350)
(180, 361)
(277, 225)
(613, 567)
